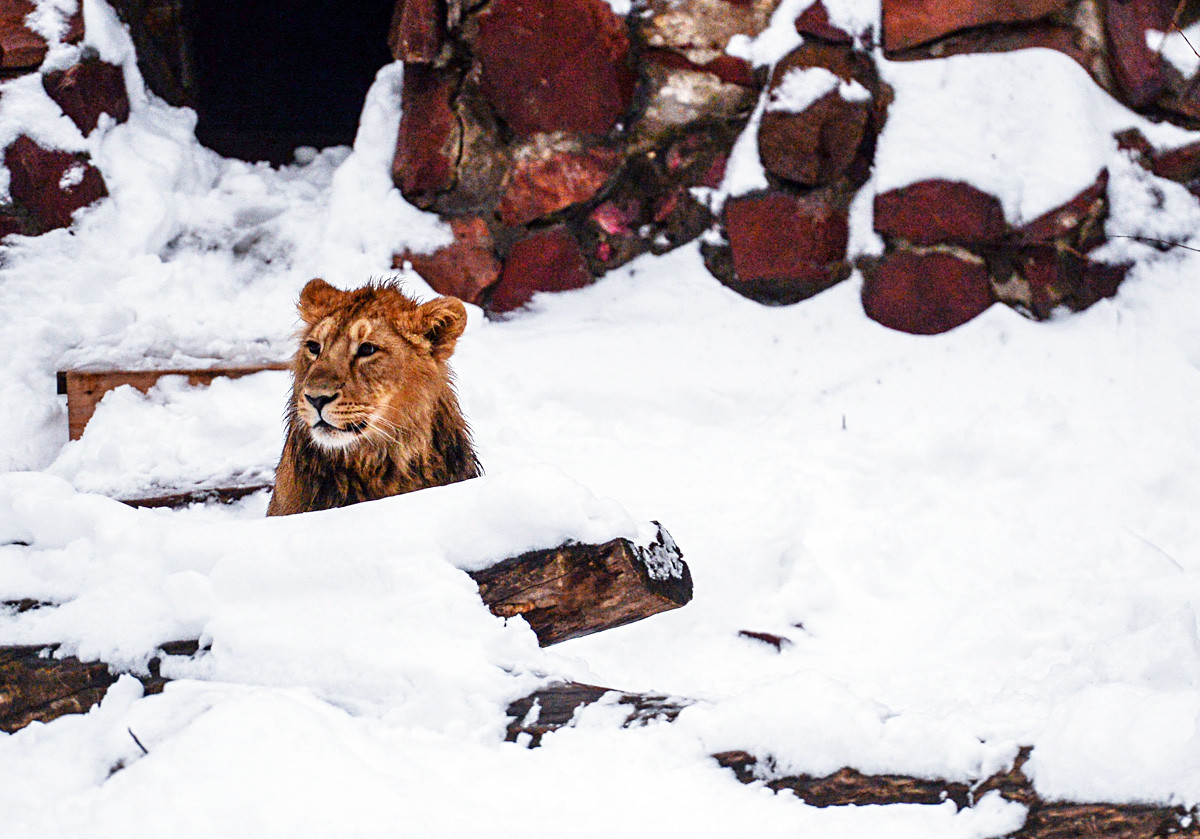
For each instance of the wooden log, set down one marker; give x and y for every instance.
(35, 686)
(554, 706)
(575, 589)
(1045, 819)
(175, 500)
(85, 388)
(564, 592)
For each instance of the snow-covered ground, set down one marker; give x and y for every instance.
(974, 542)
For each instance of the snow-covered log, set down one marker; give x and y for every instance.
(36, 687)
(553, 707)
(575, 589)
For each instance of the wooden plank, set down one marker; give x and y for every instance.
(85, 388)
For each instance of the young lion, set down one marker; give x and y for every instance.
(373, 411)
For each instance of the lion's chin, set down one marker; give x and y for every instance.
(330, 438)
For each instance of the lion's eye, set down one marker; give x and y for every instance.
(365, 349)
(313, 347)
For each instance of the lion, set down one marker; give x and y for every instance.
(373, 411)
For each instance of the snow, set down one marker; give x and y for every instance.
(974, 542)
(802, 86)
(1178, 48)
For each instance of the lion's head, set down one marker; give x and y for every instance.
(371, 364)
(373, 411)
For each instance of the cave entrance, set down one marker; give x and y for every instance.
(272, 75)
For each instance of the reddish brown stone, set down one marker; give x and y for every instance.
(544, 182)
(75, 31)
(648, 206)
(925, 294)
(546, 260)
(416, 32)
(1078, 224)
(819, 144)
(462, 269)
(815, 146)
(1181, 164)
(940, 212)
(814, 22)
(785, 247)
(1043, 278)
(1131, 139)
(728, 68)
(51, 184)
(555, 65)
(907, 23)
(11, 223)
(429, 140)
(20, 47)
(1137, 70)
(1037, 35)
(87, 90)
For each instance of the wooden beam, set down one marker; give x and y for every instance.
(85, 388)
(575, 589)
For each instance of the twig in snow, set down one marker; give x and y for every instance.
(145, 751)
(1152, 241)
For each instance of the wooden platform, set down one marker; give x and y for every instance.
(85, 388)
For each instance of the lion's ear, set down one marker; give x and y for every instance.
(317, 299)
(440, 322)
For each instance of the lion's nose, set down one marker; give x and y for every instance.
(319, 402)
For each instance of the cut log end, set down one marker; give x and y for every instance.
(575, 589)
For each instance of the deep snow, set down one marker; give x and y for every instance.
(974, 541)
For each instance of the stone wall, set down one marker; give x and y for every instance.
(558, 157)
(48, 185)
(561, 140)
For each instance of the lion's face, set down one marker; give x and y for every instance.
(371, 364)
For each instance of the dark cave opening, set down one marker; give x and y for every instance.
(273, 75)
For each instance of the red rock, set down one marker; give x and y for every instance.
(618, 218)
(20, 47)
(817, 145)
(940, 212)
(555, 65)
(728, 68)
(992, 39)
(427, 147)
(1131, 139)
(1181, 164)
(907, 23)
(1137, 70)
(87, 90)
(648, 205)
(51, 184)
(416, 31)
(11, 223)
(814, 22)
(1047, 277)
(1079, 223)
(784, 247)
(75, 31)
(462, 269)
(545, 181)
(925, 294)
(546, 260)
